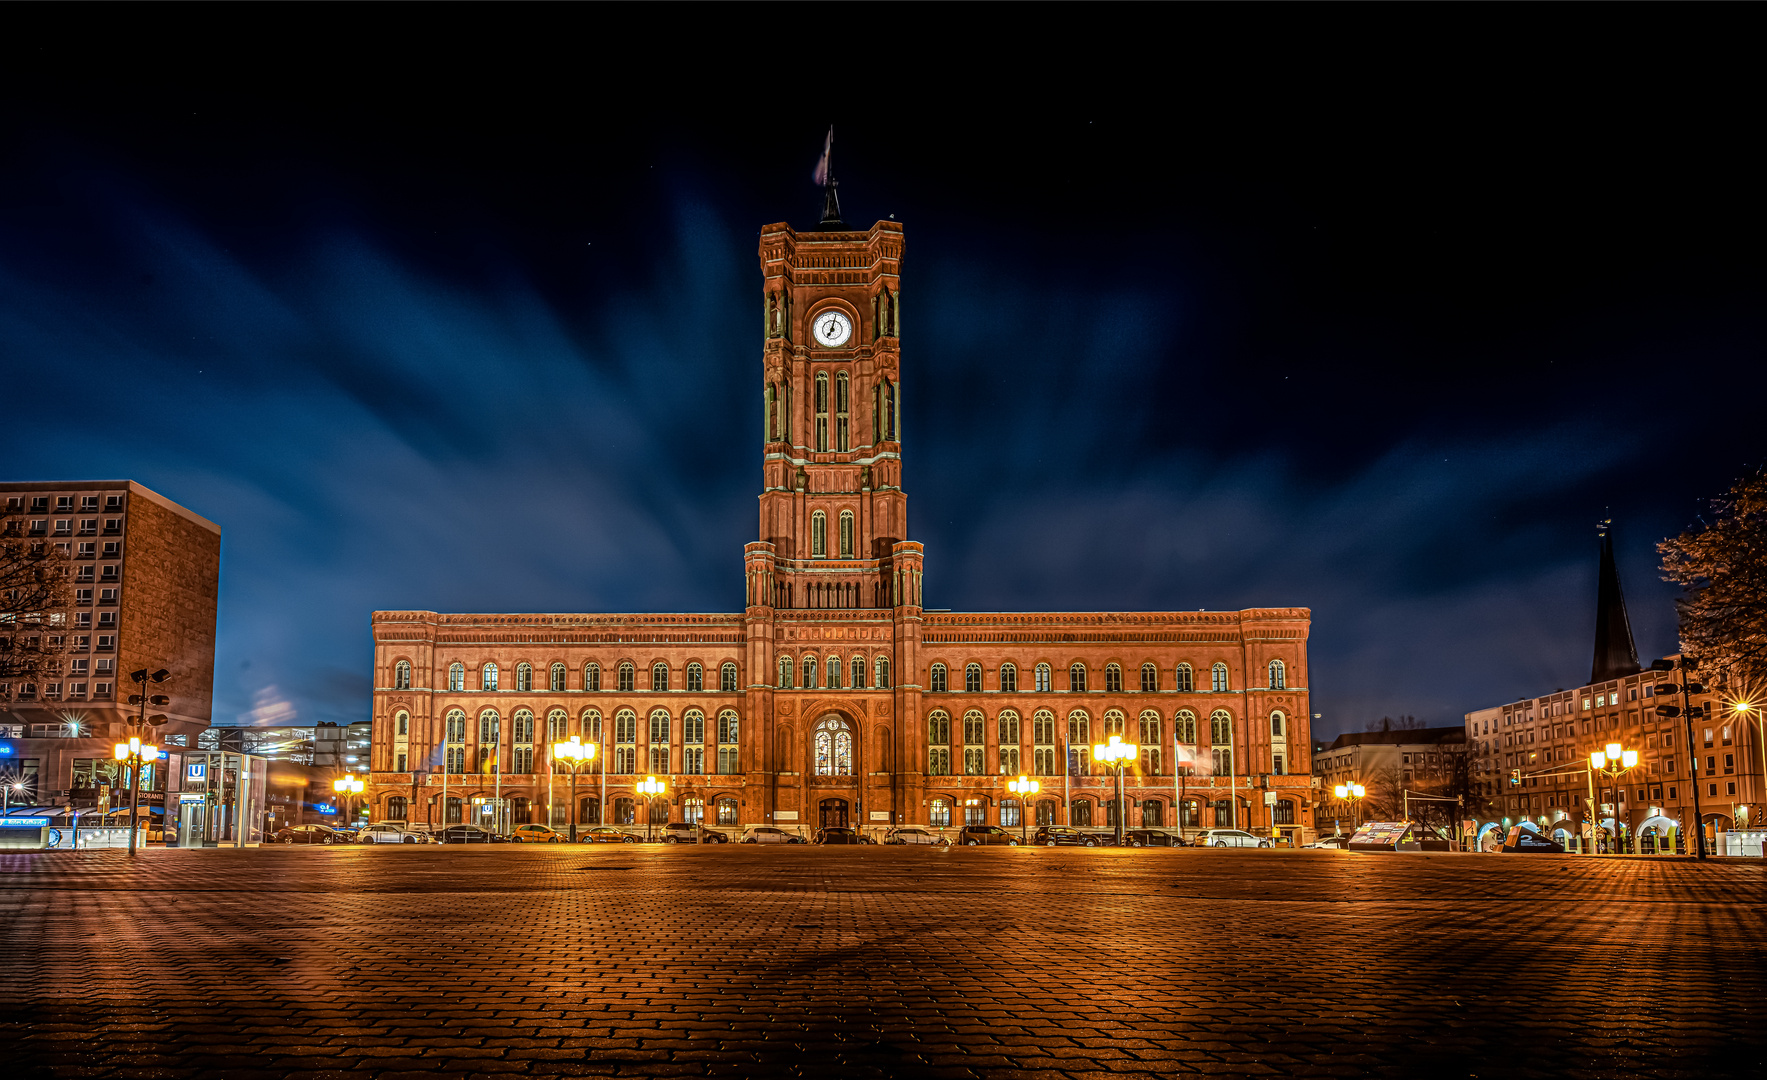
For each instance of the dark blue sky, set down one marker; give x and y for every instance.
(474, 326)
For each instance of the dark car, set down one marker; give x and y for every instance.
(1051, 835)
(686, 832)
(1154, 838)
(469, 834)
(308, 834)
(836, 835)
(976, 835)
(603, 834)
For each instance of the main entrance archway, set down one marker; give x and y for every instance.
(832, 814)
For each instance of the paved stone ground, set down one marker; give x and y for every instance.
(996, 962)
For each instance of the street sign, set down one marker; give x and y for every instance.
(1270, 798)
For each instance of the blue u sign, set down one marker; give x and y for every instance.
(196, 770)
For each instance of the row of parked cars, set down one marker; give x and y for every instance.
(685, 833)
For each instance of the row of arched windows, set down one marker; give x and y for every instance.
(491, 678)
(693, 731)
(819, 536)
(833, 673)
(1078, 735)
(1183, 678)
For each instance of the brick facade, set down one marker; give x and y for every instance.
(919, 716)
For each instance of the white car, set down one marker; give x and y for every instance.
(912, 834)
(1230, 838)
(385, 833)
(767, 834)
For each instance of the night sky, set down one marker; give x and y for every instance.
(1378, 320)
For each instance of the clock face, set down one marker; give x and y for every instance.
(832, 329)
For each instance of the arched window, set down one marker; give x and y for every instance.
(693, 738)
(727, 814)
(821, 412)
(1150, 678)
(1184, 683)
(1220, 728)
(846, 534)
(456, 728)
(523, 727)
(488, 677)
(938, 728)
(591, 726)
(772, 419)
(785, 673)
(727, 678)
(937, 681)
(818, 534)
(1043, 678)
(972, 679)
(841, 412)
(880, 673)
(833, 747)
(1283, 813)
(1079, 728)
(524, 678)
(938, 814)
(396, 808)
(1113, 724)
(834, 673)
(857, 672)
(693, 811)
(727, 746)
(558, 726)
(625, 742)
(1276, 725)
(402, 724)
(659, 677)
(1008, 679)
(627, 677)
(592, 676)
(1218, 678)
(659, 741)
(457, 677)
(808, 667)
(1185, 723)
(938, 752)
(1113, 679)
(490, 730)
(696, 678)
(490, 742)
(1044, 758)
(1151, 745)
(402, 675)
(522, 757)
(1076, 678)
(557, 677)
(1006, 727)
(1278, 676)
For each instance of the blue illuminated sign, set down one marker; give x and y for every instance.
(325, 808)
(24, 823)
(5, 749)
(196, 770)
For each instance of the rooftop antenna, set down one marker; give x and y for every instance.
(824, 175)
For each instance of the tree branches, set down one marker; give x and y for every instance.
(35, 598)
(1723, 567)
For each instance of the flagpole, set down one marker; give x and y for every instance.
(1232, 773)
(1067, 770)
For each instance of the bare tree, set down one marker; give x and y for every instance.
(35, 598)
(1403, 723)
(1723, 567)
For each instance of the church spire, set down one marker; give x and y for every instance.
(831, 200)
(1615, 654)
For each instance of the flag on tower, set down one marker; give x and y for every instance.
(820, 177)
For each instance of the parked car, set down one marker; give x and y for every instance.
(536, 834)
(768, 834)
(385, 833)
(606, 834)
(913, 834)
(1052, 835)
(686, 832)
(307, 834)
(1230, 838)
(469, 834)
(1339, 842)
(1154, 838)
(977, 835)
(838, 835)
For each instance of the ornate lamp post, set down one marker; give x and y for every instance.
(650, 787)
(1352, 793)
(347, 788)
(1116, 754)
(1024, 787)
(132, 754)
(1752, 711)
(1615, 761)
(573, 755)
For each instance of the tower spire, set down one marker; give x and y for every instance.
(1615, 654)
(831, 200)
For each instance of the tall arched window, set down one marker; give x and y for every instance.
(974, 740)
(1276, 725)
(558, 726)
(524, 677)
(808, 667)
(772, 420)
(938, 737)
(846, 533)
(833, 680)
(1185, 723)
(1184, 682)
(727, 678)
(834, 747)
(840, 412)
(402, 675)
(1113, 724)
(1218, 678)
(454, 728)
(693, 739)
(972, 678)
(822, 410)
(936, 681)
(696, 678)
(727, 744)
(490, 742)
(625, 742)
(880, 673)
(1278, 676)
(1007, 729)
(457, 677)
(727, 813)
(1150, 678)
(523, 727)
(402, 724)
(522, 755)
(785, 673)
(659, 677)
(1113, 679)
(627, 672)
(557, 677)
(590, 726)
(857, 674)
(892, 429)
(488, 677)
(1150, 743)
(1220, 728)
(1079, 743)
(1077, 678)
(592, 676)
(1043, 678)
(818, 534)
(659, 741)
(1045, 761)
(1008, 679)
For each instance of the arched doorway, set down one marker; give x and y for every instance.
(832, 814)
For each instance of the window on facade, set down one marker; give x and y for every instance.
(1044, 759)
(625, 740)
(1009, 814)
(402, 724)
(1185, 726)
(972, 679)
(659, 677)
(1278, 675)
(727, 757)
(1278, 765)
(833, 746)
(727, 814)
(625, 811)
(488, 677)
(973, 723)
(821, 412)
(841, 411)
(693, 736)
(396, 808)
(455, 726)
(696, 678)
(1076, 678)
(1044, 682)
(591, 726)
(818, 534)
(628, 677)
(880, 674)
(1150, 729)
(1218, 677)
(557, 680)
(523, 726)
(785, 673)
(1150, 678)
(457, 677)
(846, 534)
(1182, 680)
(936, 683)
(1220, 728)
(659, 741)
(809, 669)
(1008, 679)
(1112, 724)
(834, 673)
(592, 676)
(938, 761)
(1113, 679)
(402, 675)
(939, 814)
(727, 678)
(858, 672)
(524, 677)
(1080, 812)
(1277, 720)
(558, 726)
(1283, 813)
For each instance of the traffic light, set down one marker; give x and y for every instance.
(1515, 778)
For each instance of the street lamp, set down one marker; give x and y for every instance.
(573, 755)
(1614, 761)
(1024, 787)
(131, 754)
(1747, 710)
(650, 787)
(347, 787)
(1116, 754)
(1353, 793)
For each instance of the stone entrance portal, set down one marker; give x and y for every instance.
(834, 814)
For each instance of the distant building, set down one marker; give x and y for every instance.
(146, 582)
(340, 748)
(1428, 762)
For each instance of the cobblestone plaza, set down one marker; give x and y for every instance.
(991, 962)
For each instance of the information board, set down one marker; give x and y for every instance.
(1379, 836)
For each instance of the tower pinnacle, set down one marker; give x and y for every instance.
(1615, 654)
(831, 200)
